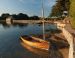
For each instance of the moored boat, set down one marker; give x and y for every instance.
(35, 42)
(34, 50)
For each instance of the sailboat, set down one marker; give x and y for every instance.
(37, 42)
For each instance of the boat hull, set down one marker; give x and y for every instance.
(38, 43)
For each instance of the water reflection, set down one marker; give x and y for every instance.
(4, 24)
(52, 53)
(20, 25)
(49, 28)
(13, 24)
(9, 36)
(55, 54)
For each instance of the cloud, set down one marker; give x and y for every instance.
(22, 1)
(30, 1)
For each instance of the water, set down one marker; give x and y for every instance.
(12, 47)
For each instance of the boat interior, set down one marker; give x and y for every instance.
(28, 38)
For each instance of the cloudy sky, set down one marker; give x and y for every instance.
(30, 7)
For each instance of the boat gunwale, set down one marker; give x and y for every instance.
(31, 44)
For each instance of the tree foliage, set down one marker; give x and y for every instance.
(72, 13)
(59, 7)
(19, 16)
(22, 16)
(34, 18)
(5, 15)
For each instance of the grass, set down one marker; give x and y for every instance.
(73, 22)
(72, 12)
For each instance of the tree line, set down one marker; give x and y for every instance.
(59, 7)
(19, 16)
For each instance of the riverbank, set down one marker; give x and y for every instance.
(67, 32)
(72, 31)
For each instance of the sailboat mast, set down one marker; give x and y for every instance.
(43, 19)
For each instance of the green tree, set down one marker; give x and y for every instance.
(59, 7)
(20, 16)
(5, 15)
(72, 12)
(34, 18)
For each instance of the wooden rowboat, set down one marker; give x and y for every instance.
(35, 42)
(34, 50)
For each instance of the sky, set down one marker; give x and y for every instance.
(29, 7)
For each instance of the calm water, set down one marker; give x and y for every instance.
(12, 47)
